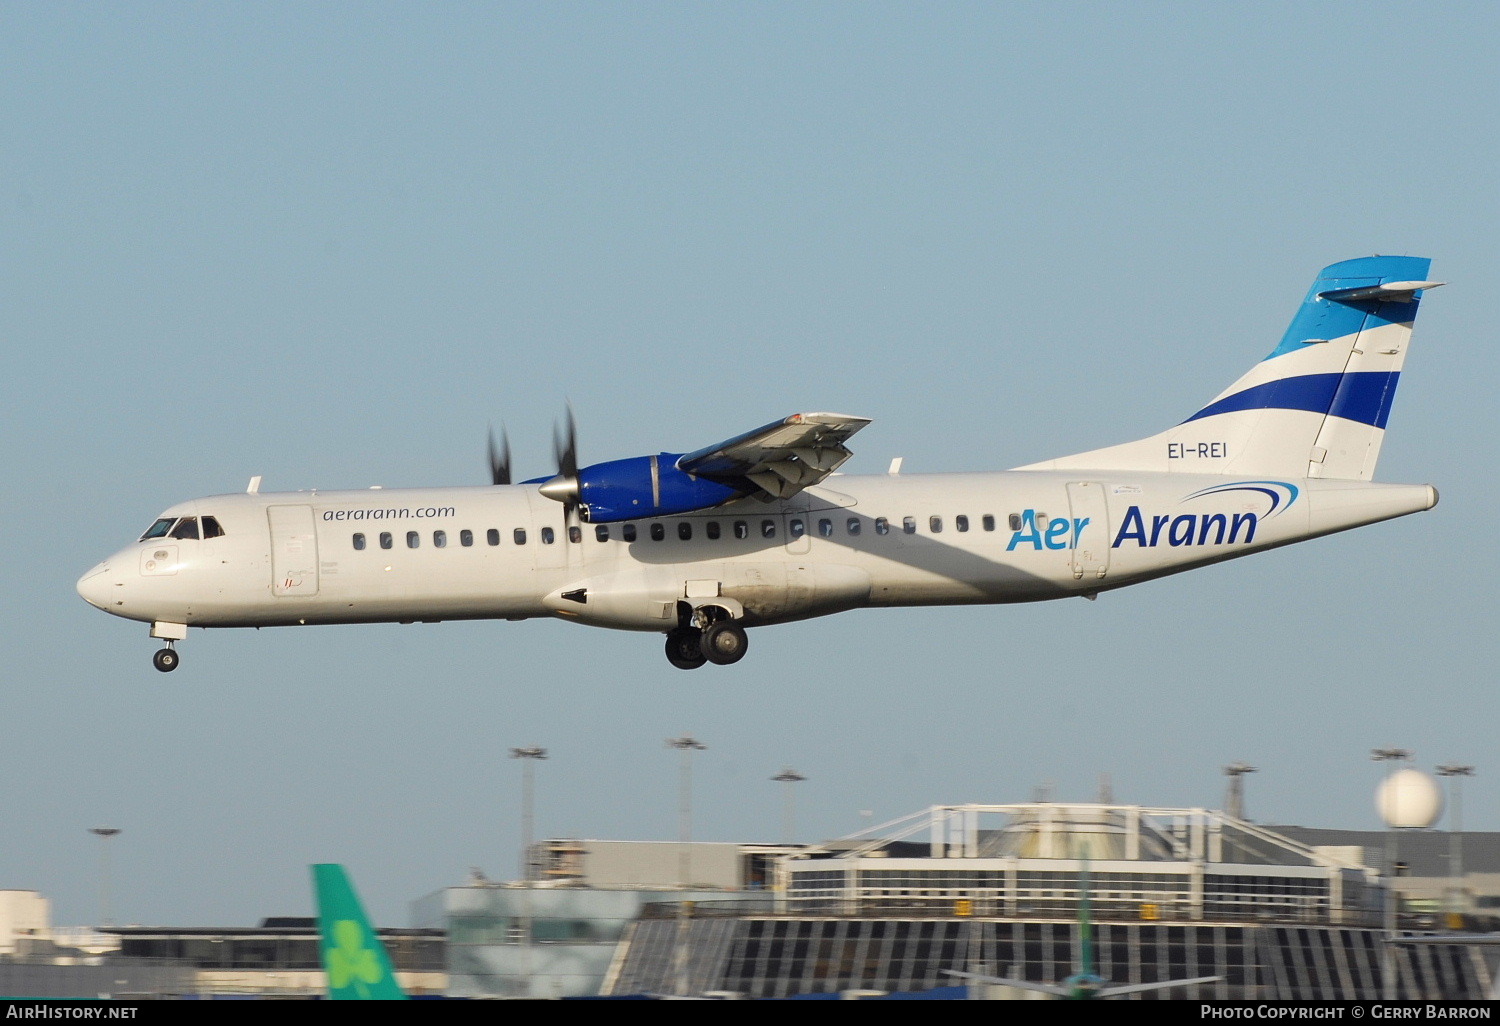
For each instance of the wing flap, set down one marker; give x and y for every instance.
(781, 458)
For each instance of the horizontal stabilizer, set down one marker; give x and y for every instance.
(1394, 291)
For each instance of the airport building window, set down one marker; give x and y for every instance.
(466, 538)
(492, 536)
(989, 521)
(386, 541)
(685, 530)
(413, 539)
(575, 534)
(548, 537)
(768, 528)
(520, 535)
(440, 539)
(159, 529)
(712, 530)
(882, 525)
(853, 525)
(602, 532)
(909, 525)
(628, 532)
(741, 529)
(795, 528)
(935, 524)
(961, 523)
(211, 528)
(187, 528)
(359, 542)
(658, 532)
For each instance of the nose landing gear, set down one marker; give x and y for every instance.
(166, 659)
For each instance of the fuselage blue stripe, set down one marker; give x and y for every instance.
(1364, 396)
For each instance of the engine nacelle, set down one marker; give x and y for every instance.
(645, 486)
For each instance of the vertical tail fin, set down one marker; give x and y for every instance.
(356, 963)
(1317, 405)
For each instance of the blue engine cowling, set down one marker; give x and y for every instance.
(646, 486)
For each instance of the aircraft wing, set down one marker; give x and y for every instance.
(1141, 988)
(781, 458)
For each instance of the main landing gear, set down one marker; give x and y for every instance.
(721, 642)
(166, 659)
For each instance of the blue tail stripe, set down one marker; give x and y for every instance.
(1364, 396)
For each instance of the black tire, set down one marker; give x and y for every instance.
(166, 660)
(684, 650)
(724, 642)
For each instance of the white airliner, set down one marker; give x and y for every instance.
(759, 530)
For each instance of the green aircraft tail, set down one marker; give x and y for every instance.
(354, 960)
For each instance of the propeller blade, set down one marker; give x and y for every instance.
(565, 447)
(500, 458)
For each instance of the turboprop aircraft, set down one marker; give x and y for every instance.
(759, 530)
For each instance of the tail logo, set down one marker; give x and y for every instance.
(1281, 493)
(350, 961)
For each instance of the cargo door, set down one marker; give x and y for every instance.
(294, 551)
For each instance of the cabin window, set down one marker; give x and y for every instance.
(1015, 521)
(909, 525)
(712, 530)
(413, 539)
(492, 536)
(159, 529)
(961, 522)
(211, 528)
(795, 528)
(628, 532)
(575, 534)
(825, 528)
(187, 528)
(519, 534)
(602, 532)
(548, 536)
(853, 525)
(440, 539)
(466, 538)
(741, 529)
(359, 543)
(386, 541)
(988, 521)
(768, 528)
(935, 524)
(685, 530)
(882, 525)
(658, 532)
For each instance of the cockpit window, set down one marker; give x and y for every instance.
(160, 528)
(211, 528)
(187, 527)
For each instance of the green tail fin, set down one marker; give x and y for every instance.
(354, 960)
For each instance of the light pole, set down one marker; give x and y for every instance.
(1234, 801)
(687, 745)
(1459, 905)
(789, 776)
(104, 834)
(1392, 757)
(528, 757)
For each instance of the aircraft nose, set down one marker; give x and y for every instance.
(93, 586)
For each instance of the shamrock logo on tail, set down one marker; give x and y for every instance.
(350, 962)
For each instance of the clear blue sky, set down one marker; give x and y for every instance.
(329, 243)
